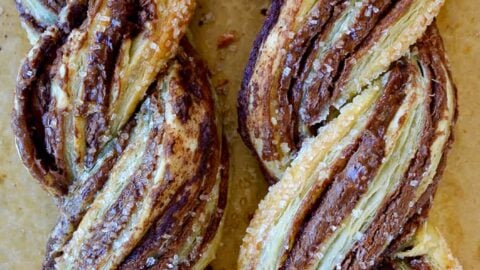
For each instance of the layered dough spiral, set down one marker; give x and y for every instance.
(114, 115)
(349, 107)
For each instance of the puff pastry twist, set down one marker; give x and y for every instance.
(349, 106)
(114, 115)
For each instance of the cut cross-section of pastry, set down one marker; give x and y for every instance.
(349, 107)
(114, 115)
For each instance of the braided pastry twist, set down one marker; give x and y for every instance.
(114, 115)
(349, 107)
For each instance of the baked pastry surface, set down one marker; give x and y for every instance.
(349, 106)
(28, 214)
(114, 115)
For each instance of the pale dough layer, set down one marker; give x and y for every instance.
(27, 214)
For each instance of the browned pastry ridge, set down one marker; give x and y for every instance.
(349, 106)
(114, 115)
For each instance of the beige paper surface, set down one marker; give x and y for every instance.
(27, 213)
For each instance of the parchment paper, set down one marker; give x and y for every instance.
(27, 214)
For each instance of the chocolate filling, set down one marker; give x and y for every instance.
(273, 15)
(167, 235)
(321, 15)
(100, 67)
(33, 92)
(45, 140)
(192, 85)
(398, 209)
(54, 5)
(300, 100)
(349, 185)
(175, 225)
(310, 99)
(398, 9)
(29, 19)
(81, 196)
(104, 233)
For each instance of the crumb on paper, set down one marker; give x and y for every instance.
(221, 87)
(226, 40)
(264, 11)
(206, 18)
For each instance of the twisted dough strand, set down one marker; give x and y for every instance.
(114, 115)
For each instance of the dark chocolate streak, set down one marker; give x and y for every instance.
(396, 211)
(174, 226)
(300, 104)
(28, 18)
(221, 204)
(433, 41)
(33, 89)
(310, 100)
(273, 14)
(312, 198)
(322, 14)
(350, 183)
(398, 8)
(81, 196)
(422, 208)
(54, 5)
(402, 242)
(436, 62)
(72, 14)
(167, 235)
(100, 67)
(45, 140)
(104, 233)
(417, 263)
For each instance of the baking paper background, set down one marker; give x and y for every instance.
(27, 214)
